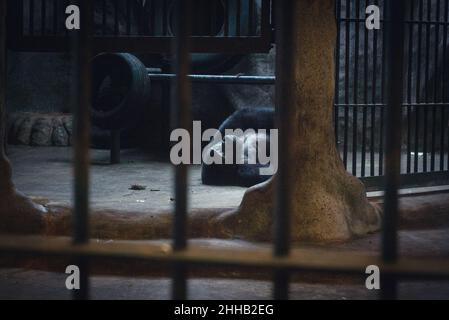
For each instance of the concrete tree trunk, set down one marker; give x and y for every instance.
(17, 212)
(329, 204)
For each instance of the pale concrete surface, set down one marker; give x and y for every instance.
(47, 172)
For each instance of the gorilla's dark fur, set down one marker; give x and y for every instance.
(240, 174)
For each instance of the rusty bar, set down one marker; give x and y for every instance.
(182, 119)
(81, 48)
(285, 77)
(395, 54)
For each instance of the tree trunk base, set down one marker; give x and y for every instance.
(320, 214)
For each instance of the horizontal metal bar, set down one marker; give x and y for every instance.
(404, 104)
(230, 45)
(230, 79)
(421, 179)
(417, 22)
(316, 260)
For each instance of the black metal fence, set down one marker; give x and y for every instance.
(233, 26)
(360, 86)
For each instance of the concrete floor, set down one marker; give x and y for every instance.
(29, 284)
(47, 173)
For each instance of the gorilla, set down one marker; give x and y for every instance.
(245, 174)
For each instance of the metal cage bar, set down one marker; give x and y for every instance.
(395, 54)
(182, 119)
(285, 75)
(81, 52)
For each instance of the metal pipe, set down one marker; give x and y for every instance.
(223, 79)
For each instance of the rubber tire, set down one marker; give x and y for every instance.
(126, 69)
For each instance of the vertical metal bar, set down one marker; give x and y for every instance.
(266, 28)
(250, 17)
(285, 76)
(238, 18)
(141, 14)
(21, 22)
(43, 15)
(444, 64)
(31, 18)
(443, 87)
(382, 95)
(115, 147)
(347, 62)
(437, 51)
(337, 73)
(365, 99)
(152, 18)
(442, 137)
(65, 5)
(55, 17)
(116, 18)
(128, 17)
(104, 20)
(182, 119)
(3, 77)
(16, 21)
(426, 87)
(435, 84)
(356, 89)
(418, 87)
(164, 18)
(81, 46)
(374, 100)
(213, 17)
(409, 88)
(226, 17)
(395, 55)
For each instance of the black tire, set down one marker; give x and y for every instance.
(119, 104)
